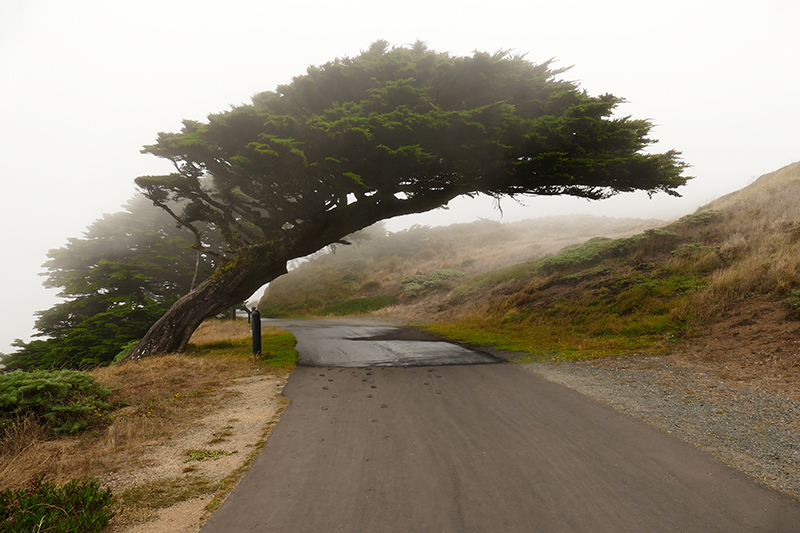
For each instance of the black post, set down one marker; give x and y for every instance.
(256, 324)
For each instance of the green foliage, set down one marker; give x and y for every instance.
(65, 401)
(124, 351)
(118, 280)
(397, 131)
(793, 301)
(438, 280)
(96, 340)
(702, 218)
(594, 251)
(579, 255)
(77, 507)
(359, 305)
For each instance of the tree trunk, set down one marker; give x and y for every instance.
(258, 264)
(231, 284)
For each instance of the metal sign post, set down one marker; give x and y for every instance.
(255, 322)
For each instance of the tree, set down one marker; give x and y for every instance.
(126, 272)
(389, 132)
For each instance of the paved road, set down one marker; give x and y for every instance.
(469, 448)
(351, 343)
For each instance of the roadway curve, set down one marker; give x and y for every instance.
(486, 447)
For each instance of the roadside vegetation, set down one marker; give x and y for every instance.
(66, 433)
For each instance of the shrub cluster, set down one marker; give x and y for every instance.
(419, 284)
(61, 400)
(77, 507)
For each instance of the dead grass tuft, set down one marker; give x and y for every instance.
(220, 330)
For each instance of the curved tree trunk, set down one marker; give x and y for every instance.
(252, 267)
(230, 285)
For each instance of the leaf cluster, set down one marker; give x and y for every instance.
(76, 507)
(65, 401)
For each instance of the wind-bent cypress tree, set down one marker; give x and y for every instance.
(389, 132)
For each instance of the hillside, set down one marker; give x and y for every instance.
(373, 268)
(720, 286)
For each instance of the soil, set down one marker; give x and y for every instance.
(237, 425)
(758, 344)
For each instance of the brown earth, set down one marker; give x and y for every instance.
(758, 344)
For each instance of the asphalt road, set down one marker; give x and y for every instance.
(479, 448)
(351, 343)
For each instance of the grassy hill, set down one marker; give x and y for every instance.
(722, 283)
(371, 271)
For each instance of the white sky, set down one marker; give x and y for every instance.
(84, 84)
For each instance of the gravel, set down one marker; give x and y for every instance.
(751, 429)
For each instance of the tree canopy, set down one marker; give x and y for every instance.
(407, 129)
(392, 131)
(117, 280)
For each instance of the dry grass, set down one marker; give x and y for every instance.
(707, 268)
(154, 399)
(212, 331)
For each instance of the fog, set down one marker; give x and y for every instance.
(85, 84)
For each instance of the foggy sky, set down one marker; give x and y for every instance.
(84, 84)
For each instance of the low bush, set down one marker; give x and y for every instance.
(64, 401)
(793, 301)
(419, 284)
(77, 507)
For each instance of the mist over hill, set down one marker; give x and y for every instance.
(377, 262)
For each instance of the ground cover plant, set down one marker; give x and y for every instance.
(76, 507)
(62, 401)
(150, 402)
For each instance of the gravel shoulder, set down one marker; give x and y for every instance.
(754, 430)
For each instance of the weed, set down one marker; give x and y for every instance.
(793, 301)
(206, 455)
(164, 492)
(76, 507)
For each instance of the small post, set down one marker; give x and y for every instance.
(255, 321)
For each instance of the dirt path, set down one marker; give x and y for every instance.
(234, 426)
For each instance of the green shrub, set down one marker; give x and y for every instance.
(580, 255)
(419, 284)
(793, 301)
(72, 508)
(62, 400)
(124, 351)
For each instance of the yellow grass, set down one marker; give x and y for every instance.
(154, 399)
